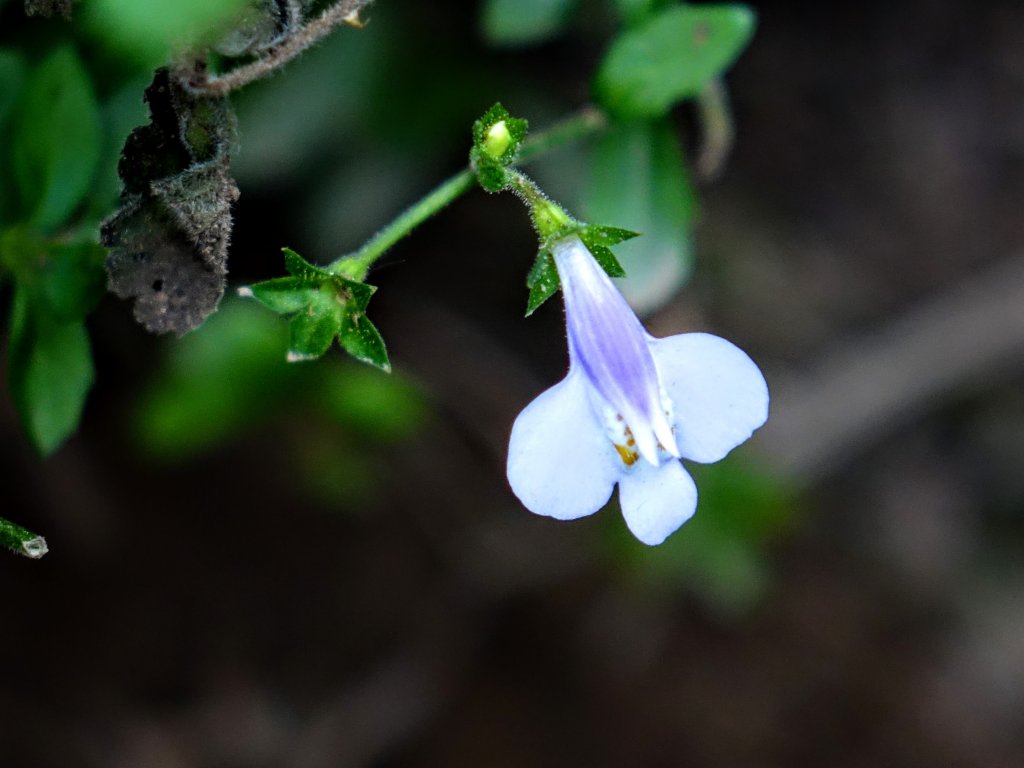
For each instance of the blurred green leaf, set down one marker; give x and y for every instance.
(370, 402)
(639, 180)
(721, 552)
(12, 79)
(56, 139)
(520, 22)
(64, 280)
(671, 56)
(216, 383)
(151, 32)
(633, 11)
(50, 372)
(50, 365)
(12, 76)
(220, 383)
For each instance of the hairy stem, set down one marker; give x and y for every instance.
(342, 12)
(21, 541)
(354, 266)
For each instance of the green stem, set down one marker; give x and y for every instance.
(354, 266)
(21, 541)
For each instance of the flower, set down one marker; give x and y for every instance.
(630, 407)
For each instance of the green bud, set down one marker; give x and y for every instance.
(497, 139)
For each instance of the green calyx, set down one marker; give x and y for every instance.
(497, 137)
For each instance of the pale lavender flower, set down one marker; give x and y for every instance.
(630, 407)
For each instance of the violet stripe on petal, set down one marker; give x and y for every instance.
(612, 348)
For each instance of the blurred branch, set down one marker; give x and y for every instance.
(587, 121)
(22, 541)
(343, 12)
(958, 341)
(718, 130)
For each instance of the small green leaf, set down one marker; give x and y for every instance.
(300, 268)
(323, 305)
(283, 295)
(542, 281)
(50, 372)
(638, 178)
(521, 22)
(56, 139)
(670, 57)
(595, 235)
(313, 329)
(363, 341)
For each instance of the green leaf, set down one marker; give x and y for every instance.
(323, 305)
(721, 551)
(302, 269)
(64, 279)
(217, 383)
(520, 22)
(671, 56)
(542, 281)
(632, 11)
(363, 341)
(50, 372)
(639, 179)
(12, 77)
(314, 328)
(56, 139)
(283, 295)
(149, 32)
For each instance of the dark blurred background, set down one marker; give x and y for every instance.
(312, 566)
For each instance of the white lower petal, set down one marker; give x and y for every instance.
(719, 396)
(657, 500)
(560, 462)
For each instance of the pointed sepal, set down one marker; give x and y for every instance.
(323, 306)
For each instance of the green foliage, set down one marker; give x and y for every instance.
(56, 139)
(12, 75)
(49, 363)
(639, 178)
(543, 280)
(244, 382)
(50, 373)
(520, 22)
(491, 159)
(721, 552)
(671, 56)
(322, 306)
(151, 32)
(633, 11)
